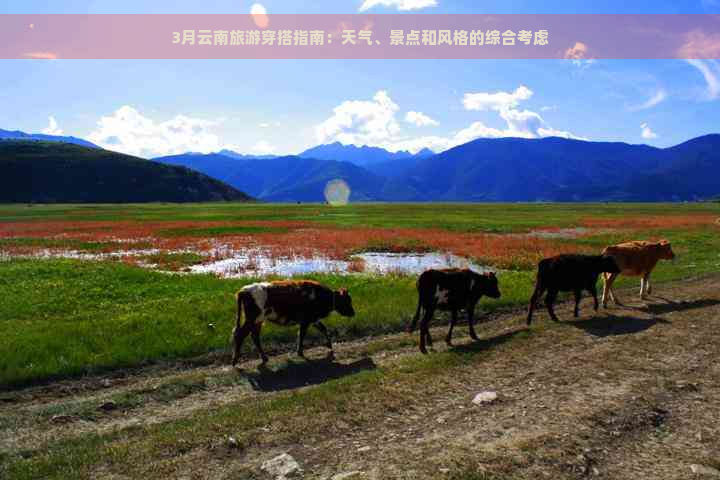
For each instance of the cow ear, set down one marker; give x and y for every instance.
(343, 291)
(664, 242)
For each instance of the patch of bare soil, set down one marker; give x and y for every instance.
(630, 392)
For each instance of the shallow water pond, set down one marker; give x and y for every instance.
(258, 264)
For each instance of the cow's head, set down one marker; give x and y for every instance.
(343, 303)
(489, 284)
(665, 250)
(608, 264)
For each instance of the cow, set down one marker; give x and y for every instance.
(569, 273)
(450, 289)
(635, 259)
(288, 302)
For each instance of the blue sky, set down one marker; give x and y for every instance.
(152, 108)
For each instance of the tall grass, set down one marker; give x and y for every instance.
(67, 318)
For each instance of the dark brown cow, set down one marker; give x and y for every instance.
(302, 302)
(450, 289)
(569, 273)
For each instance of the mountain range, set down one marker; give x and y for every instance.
(498, 169)
(375, 159)
(283, 179)
(6, 135)
(50, 172)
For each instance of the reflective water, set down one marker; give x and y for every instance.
(257, 264)
(260, 262)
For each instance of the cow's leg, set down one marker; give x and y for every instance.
(239, 337)
(304, 324)
(549, 301)
(648, 287)
(539, 290)
(610, 292)
(256, 340)
(606, 290)
(453, 320)
(642, 288)
(593, 291)
(324, 331)
(578, 296)
(471, 321)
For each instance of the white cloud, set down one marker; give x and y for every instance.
(399, 4)
(549, 108)
(128, 131)
(710, 70)
(520, 123)
(364, 122)
(497, 100)
(658, 97)
(419, 119)
(264, 125)
(646, 132)
(52, 128)
(373, 123)
(263, 148)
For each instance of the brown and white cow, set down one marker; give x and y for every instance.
(288, 302)
(450, 289)
(635, 259)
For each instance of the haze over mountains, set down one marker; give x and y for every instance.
(497, 169)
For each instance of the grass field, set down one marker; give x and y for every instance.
(64, 317)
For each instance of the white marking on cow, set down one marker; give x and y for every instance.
(259, 294)
(472, 283)
(441, 295)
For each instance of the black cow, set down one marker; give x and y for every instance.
(569, 273)
(450, 289)
(302, 302)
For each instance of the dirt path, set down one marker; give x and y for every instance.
(631, 392)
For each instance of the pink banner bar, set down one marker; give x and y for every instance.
(577, 37)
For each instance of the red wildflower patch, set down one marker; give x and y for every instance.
(217, 240)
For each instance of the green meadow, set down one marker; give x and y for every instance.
(63, 318)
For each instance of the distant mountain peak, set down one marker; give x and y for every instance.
(363, 155)
(19, 135)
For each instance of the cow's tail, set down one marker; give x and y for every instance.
(238, 314)
(411, 326)
(238, 319)
(239, 301)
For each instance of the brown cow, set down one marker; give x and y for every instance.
(635, 259)
(450, 289)
(289, 302)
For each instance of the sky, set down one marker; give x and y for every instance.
(152, 108)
